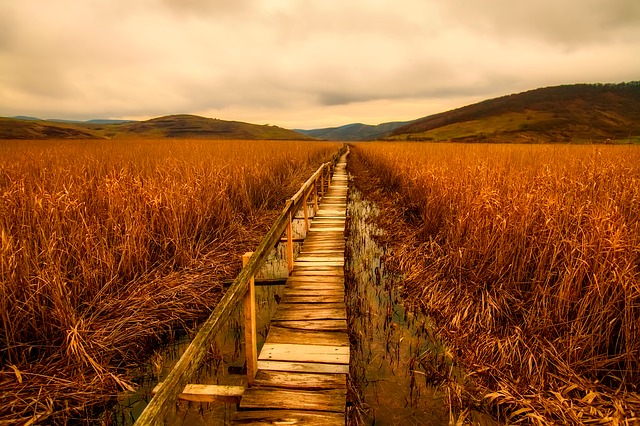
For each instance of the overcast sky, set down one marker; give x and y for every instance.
(302, 63)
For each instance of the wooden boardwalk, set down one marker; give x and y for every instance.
(303, 365)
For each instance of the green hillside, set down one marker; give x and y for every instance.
(571, 113)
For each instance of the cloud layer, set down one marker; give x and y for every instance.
(301, 63)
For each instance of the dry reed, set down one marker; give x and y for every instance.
(528, 259)
(107, 246)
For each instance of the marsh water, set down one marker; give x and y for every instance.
(394, 354)
(389, 343)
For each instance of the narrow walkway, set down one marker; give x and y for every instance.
(303, 365)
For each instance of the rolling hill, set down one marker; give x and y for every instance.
(579, 113)
(193, 126)
(172, 126)
(354, 132)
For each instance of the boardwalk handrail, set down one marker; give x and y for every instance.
(191, 359)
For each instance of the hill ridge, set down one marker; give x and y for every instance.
(563, 113)
(169, 126)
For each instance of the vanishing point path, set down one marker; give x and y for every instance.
(303, 365)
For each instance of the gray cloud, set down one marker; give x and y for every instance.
(301, 63)
(198, 7)
(566, 22)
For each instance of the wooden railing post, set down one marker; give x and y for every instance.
(315, 197)
(329, 177)
(250, 333)
(290, 243)
(306, 213)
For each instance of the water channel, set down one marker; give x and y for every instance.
(393, 351)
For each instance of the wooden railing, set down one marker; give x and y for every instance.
(169, 390)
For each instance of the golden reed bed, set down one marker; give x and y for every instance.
(107, 246)
(528, 259)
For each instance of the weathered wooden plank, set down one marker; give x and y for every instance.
(310, 306)
(292, 399)
(314, 290)
(319, 252)
(319, 258)
(308, 286)
(324, 245)
(319, 265)
(310, 313)
(274, 417)
(208, 393)
(332, 298)
(317, 224)
(311, 286)
(313, 325)
(308, 381)
(319, 280)
(284, 335)
(314, 272)
(305, 353)
(303, 367)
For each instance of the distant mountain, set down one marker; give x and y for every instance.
(26, 117)
(108, 121)
(354, 132)
(173, 126)
(579, 112)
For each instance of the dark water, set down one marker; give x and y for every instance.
(402, 374)
(388, 340)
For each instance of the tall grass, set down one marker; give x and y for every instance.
(528, 258)
(107, 246)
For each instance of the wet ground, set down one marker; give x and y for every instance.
(389, 342)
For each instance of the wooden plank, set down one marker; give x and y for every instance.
(324, 245)
(274, 417)
(307, 262)
(308, 381)
(332, 298)
(305, 353)
(317, 280)
(314, 290)
(311, 286)
(320, 258)
(283, 335)
(309, 314)
(303, 367)
(292, 399)
(314, 272)
(319, 253)
(208, 393)
(307, 286)
(313, 325)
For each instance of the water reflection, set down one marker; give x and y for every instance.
(390, 345)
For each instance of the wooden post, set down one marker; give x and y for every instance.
(250, 334)
(290, 244)
(329, 177)
(315, 197)
(322, 183)
(306, 213)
